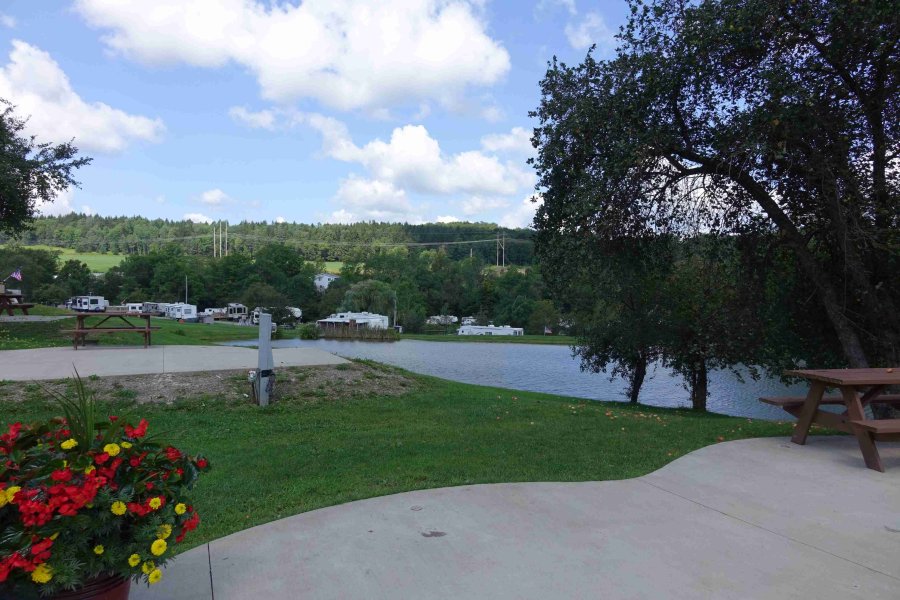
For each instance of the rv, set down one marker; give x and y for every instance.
(89, 303)
(134, 308)
(182, 311)
(213, 313)
(490, 330)
(361, 320)
(157, 309)
(235, 311)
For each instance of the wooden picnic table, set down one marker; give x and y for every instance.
(11, 302)
(858, 389)
(81, 330)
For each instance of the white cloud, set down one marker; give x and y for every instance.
(517, 141)
(62, 205)
(280, 220)
(347, 54)
(344, 217)
(264, 119)
(523, 214)
(40, 89)
(374, 200)
(447, 219)
(413, 160)
(7, 21)
(591, 29)
(214, 197)
(476, 205)
(197, 218)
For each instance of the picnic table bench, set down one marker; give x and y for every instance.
(81, 331)
(11, 302)
(859, 388)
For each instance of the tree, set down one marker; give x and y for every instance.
(740, 116)
(264, 295)
(75, 277)
(543, 316)
(30, 172)
(370, 295)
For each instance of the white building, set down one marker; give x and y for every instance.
(490, 330)
(359, 320)
(323, 280)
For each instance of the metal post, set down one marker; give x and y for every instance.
(214, 240)
(264, 362)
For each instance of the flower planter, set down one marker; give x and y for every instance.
(110, 587)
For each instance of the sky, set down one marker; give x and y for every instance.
(316, 111)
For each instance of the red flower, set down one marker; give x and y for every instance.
(137, 432)
(202, 463)
(61, 475)
(172, 453)
(101, 458)
(113, 418)
(149, 485)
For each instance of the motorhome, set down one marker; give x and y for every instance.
(235, 311)
(490, 330)
(134, 308)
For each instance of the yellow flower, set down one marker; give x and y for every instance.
(112, 449)
(42, 574)
(90, 469)
(180, 508)
(3, 499)
(134, 560)
(164, 531)
(69, 444)
(158, 547)
(155, 503)
(11, 492)
(118, 508)
(148, 566)
(98, 549)
(126, 445)
(154, 576)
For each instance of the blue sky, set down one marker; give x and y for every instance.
(320, 111)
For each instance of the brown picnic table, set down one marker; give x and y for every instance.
(81, 330)
(858, 388)
(12, 302)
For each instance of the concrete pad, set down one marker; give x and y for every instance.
(58, 363)
(617, 539)
(186, 578)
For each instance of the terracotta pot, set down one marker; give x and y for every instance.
(109, 587)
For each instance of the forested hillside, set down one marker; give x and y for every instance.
(326, 242)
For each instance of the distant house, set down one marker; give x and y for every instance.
(360, 320)
(323, 280)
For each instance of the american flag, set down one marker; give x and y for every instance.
(17, 274)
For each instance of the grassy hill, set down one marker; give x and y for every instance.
(97, 262)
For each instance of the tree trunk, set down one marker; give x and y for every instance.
(699, 385)
(637, 378)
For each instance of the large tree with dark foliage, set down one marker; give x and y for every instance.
(30, 171)
(776, 118)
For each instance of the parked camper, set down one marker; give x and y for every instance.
(89, 303)
(359, 320)
(469, 321)
(134, 308)
(213, 313)
(490, 330)
(182, 311)
(441, 320)
(235, 311)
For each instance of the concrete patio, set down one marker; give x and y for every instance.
(760, 518)
(59, 363)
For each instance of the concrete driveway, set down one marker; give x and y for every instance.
(59, 363)
(752, 519)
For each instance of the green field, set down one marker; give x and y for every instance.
(96, 261)
(16, 336)
(312, 450)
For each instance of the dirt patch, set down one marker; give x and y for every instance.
(321, 383)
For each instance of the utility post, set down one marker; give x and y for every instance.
(265, 378)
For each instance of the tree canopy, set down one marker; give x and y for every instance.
(30, 172)
(771, 118)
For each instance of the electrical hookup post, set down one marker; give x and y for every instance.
(262, 381)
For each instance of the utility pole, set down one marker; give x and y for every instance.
(185, 289)
(503, 247)
(226, 238)
(214, 239)
(498, 249)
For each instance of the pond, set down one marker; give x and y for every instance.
(550, 369)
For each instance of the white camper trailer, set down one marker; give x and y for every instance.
(134, 308)
(182, 311)
(490, 330)
(235, 311)
(89, 303)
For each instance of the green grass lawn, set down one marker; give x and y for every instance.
(16, 336)
(304, 453)
(97, 262)
(561, 340)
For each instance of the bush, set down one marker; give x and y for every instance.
(309, 331)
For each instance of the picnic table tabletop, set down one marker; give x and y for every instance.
(850, 377)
